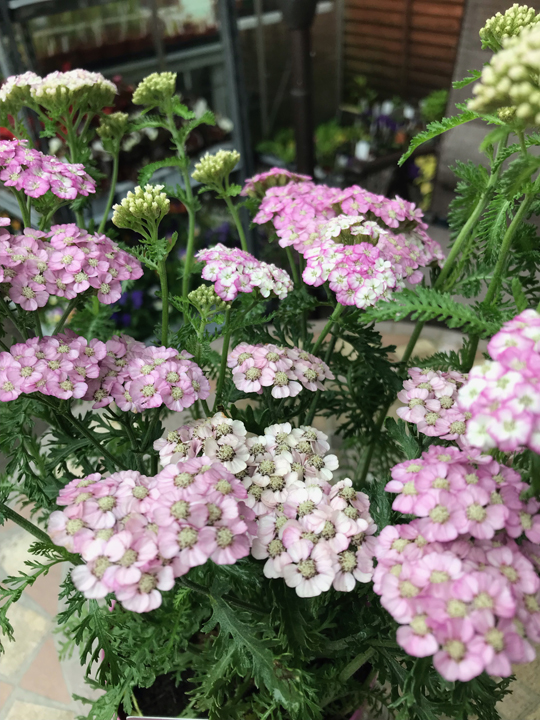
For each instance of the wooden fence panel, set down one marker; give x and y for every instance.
(407, 47)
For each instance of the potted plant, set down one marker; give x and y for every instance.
(221, 555)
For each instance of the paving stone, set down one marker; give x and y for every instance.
(5, 692)
(14, 551)
(519, 703)
(31, 711)
(45, 590)
(30, 629)
(44, 676)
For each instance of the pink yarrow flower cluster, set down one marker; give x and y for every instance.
(220, 438)
(35, 174)
(121, 370)
(363, 244)
(312, 534)
(257, 185)
(64, 262)
(455, 579)
(136, 534)
(430, 398)
(503, 395)
(234, 271)
(286, 370)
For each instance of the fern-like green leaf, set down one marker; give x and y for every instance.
(435, 129)
(474, 75)
(266, 672)
(146, 173)
(427, 304)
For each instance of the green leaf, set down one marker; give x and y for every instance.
(493, 137)
(474, 75)
(147, 171)
(519, 296)
(427, 304)
(437, 128)
(181, 110)
(398, 432)
(265, 671)
(515, 179)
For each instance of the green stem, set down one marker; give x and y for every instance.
(112, 191)
(89, 435)
(22, 522)
(472, 353)
(223, 364)
(25, 214)
(507, 243)
(150, 429)
(206, 409)
(162, 271)
(355, 664)
(5, 307)
(190, 247)
(37, 322)
(521, 136)
(67, 312)
(237, 222)
(466, 230)
(313, 407)
(136, 704)
(297, 283)
(384, 412)
(294, 270)
(326, 329)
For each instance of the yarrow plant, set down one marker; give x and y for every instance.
(247, 531)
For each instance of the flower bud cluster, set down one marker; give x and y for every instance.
(113, 126)
(234, 271)
(285, 370)
(455, 578)
(512, 79)
(64, 262)
(121, 370)
(511, 23)
(205, 297)
(148, 203)
(23, 168)
(213, 169)
(430, 398)
(502, 395)
(136, 534)
(155, 89)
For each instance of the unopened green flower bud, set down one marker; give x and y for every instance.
(512, 80)
(147, 203)
(155, 89)
(113, 126)
(205, 297)
(507, 114)
(213, 169)
(500, 27)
